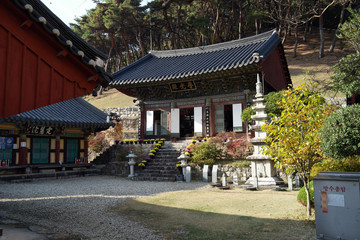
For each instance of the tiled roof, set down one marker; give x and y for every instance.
(65, 35)
(71, 113)
(183, 63)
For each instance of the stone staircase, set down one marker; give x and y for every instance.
(163, 166)
(106, 156)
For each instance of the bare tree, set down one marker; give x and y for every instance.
(345, 4)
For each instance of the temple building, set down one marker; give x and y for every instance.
(202, 91)
(51, 135)
(42, 60)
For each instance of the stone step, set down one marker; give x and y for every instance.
(168, 151)
(157, 179)
(157, 165)
(162, 155)
(163, 166)
(155, 171)
(162, 163)
(166, 156)
(165, 160)
(148, 175)
(46, 176)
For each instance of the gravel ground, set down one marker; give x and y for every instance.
(79, 207)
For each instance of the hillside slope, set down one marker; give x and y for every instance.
(307, 61)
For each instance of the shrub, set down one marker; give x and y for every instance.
(236, 148)
(272, 103)
(242, 164)
(246, 114)
(206, 153)
(340, 134)
(350, 164)
(230, 146)
(98, 143)
(115, 132)
(302, 195)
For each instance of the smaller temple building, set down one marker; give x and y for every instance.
(54, 134)
(202, 91)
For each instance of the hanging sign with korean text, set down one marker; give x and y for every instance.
(40, 130)
(182, 86)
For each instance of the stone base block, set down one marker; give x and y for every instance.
(268, 181)
(47, 170)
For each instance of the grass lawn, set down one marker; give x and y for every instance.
(110, 98)
(219, 214)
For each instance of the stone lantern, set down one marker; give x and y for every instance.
(183, 158)
(131, 162)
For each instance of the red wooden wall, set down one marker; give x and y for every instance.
(274, 71)
(35, 69)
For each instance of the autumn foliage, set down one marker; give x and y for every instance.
(293, 137)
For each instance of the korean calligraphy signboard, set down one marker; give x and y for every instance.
(182, 86)
(40, 130)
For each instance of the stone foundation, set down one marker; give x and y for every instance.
(129, 117)
(243, 173)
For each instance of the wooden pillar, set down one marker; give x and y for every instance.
(212, 120)
(86, 147)
(57, 149)
(23, 150)
(143, 123)
(141, 119)
(207, 117)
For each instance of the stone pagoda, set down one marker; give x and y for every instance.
(262, 167)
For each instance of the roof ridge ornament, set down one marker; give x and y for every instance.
(56, 32)
(92, 62)
(42, 19)
(69, 43)
(29, 7)
(256, 57)
(81, 53)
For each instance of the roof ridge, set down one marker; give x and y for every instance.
(51, 23)
(131, 65)
(91, 107)
(65, 113)
(55, 19)
(162, 66)
(214, 47)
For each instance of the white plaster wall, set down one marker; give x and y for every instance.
(175, 120)
(198, 119)
(149, 121)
